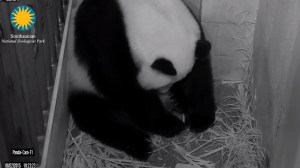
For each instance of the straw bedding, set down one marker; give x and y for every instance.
(233, 142)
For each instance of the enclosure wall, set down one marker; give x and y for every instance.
(229, 26)
(277, 79)
(26, 76)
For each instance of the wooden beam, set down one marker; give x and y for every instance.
(58, 117)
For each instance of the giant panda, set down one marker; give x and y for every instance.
(127, 54)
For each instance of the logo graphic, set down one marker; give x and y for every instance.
(22, 18)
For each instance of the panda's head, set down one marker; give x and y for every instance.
(165, 69)
(162, 36)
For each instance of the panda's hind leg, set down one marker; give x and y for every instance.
(108, 124)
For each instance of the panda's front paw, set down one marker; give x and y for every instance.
(139, 148)
(200, 123)
(169, 126)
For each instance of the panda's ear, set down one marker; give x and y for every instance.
(203, 48)
(164, 66)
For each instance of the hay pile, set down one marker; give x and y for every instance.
(234, 141)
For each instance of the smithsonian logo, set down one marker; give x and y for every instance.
(22, 18)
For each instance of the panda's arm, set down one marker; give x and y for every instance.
(195, 93)
(200, 96)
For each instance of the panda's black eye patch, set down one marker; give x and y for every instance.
(164, 66)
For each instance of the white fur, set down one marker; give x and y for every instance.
(160, 28)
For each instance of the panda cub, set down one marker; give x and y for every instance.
(129, 52)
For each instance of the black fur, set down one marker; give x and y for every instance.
(195, 92)
(108, 123)
(127, 114)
